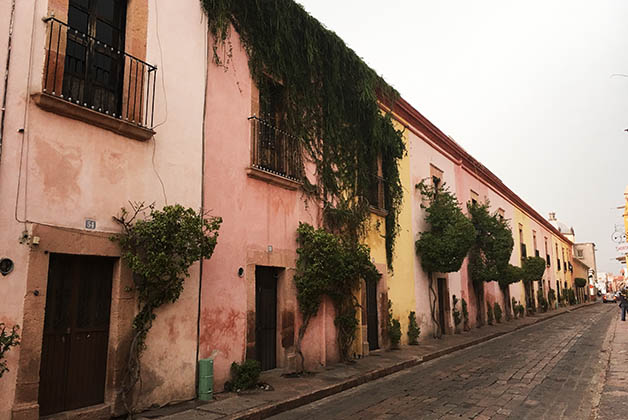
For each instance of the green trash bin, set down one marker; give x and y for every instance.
(205, 379)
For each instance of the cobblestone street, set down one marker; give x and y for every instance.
(551, 370)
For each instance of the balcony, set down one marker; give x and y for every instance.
(92, 81)
(275, 155)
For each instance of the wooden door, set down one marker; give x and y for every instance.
(266, 316)
(371, 315)
(442, 306)
(76, 331)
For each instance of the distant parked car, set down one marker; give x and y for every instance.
(609, 297)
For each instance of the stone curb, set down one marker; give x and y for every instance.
(268, 410)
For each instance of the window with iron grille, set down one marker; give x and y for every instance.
(524, 253)
(558, 266)
(94, 67)
(86, 65)
(274, 150)
(549, 261)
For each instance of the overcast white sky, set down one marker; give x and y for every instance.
(524, 86)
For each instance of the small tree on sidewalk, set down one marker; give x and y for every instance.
(532, 269)
(490, 253)
(443, 248)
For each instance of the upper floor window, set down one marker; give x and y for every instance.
(273, 149)
(376, 191)
(86, 65)
(475, 198)
(436, 175)
(501, 213)
(94, 67)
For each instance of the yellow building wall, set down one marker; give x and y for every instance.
(401, 282)
(521, 219)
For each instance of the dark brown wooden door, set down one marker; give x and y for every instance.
(371, 314)
(266, 316)
(76, 331)
(442, 295)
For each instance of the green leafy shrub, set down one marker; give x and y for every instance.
(394, 328)
(489, 313)
(551, 296)
(8, 339)
(159, 249)
(497, 310)
(521, 310)
(330, 265)
(413, 329)
(532, 269)
(542, 300)
(443, 248)
(465, 315)
(571, 296)
(580, 282)
(490, 253)
(244, 376)
(455, 312)
(515, 310)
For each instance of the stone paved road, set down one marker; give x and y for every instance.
(552, 370)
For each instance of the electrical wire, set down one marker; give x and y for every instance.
(25, 126)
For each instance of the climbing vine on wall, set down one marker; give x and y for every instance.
(8, 338)
(330, 265)
(444, 246)
(159, 249)
(331, 99)
(490, 253)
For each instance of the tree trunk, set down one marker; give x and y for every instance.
(438, 333)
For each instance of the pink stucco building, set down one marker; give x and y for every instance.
(67, 165)
(108, 102)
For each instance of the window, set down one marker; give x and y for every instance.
(436, 175)
(89, 76)
(579, 253)
(534, 240)
(524, 252)
(501, 213)
(376, 189)
(94, 66)
(474, 197)
(273, 149)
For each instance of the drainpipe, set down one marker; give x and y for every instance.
(200, 279)
(3, 109)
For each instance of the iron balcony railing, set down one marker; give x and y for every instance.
(90, 73)
(274, 150)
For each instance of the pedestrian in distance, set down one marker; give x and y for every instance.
(623, 303)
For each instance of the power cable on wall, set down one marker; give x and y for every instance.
(6, 75)
(26, 130)
(163, 87)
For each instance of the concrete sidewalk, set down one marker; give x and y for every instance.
(614, 390)
(288, 393)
